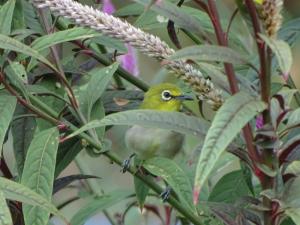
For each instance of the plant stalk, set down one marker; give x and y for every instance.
(222, 40)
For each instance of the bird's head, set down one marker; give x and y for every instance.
(165, 97)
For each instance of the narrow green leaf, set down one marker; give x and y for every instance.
(5, 217)
(171, 11)
(282, 51)
(175, 177)
(230, 188)
(235, 113)
(141, 191)
(14, 45)
(18, 192)
(6, 15)
(63, 36)
(176, 121)
(210, 53)
(38, 173)
(95, 88)
(7, 106)
(22, 132)
(97, 205)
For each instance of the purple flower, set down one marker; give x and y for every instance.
(259, 122)
(128, 60)
(108, 7)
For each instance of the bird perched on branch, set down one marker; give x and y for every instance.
(150, 142)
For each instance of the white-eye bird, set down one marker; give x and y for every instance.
(149, 142)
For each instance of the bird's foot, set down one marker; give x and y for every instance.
(126, 163)
(166, 193)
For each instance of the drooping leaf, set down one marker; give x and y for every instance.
(62, 182)
(38, 173)
(5, 217)
(141, 191)
(97, 205)
(18, 192)
(228, 122)
(14, 45)
(7, 106)
(176, 121)
(230, 188)
(282, 52)
(171, 11)
(175, 177)
(210, 53)
(6, 15)
(22, 132)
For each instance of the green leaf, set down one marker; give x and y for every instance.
(31, 17)
(38, 173)
(22, 132)
(17, 76)
(175, 177)
(95, 88)
(5, 217)
(7, 106)
(18, 192)
(294, 214)
(14, 45)
(97, 113)
(230, 188)
(235, 113)
(294, 118)
(6, 15)
(290, 31)
(67, 151)
(97, 205)
(210, 53)
(63, 36)
(141, 191)
(171, 11)
(176, 121)
(18, 17)
(282, 52)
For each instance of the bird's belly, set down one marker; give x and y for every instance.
(150, 142)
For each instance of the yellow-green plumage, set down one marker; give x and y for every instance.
(150, 142)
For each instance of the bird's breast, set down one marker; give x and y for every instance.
(150, 142)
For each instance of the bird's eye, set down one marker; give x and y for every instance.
(166, 95)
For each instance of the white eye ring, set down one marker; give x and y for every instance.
(166, 95)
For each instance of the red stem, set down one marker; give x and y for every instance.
(222, 40)
(5, 170)
(264, 78)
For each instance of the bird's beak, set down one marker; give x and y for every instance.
(184, 97)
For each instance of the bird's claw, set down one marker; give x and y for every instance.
(126, 164)
(166, 194)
